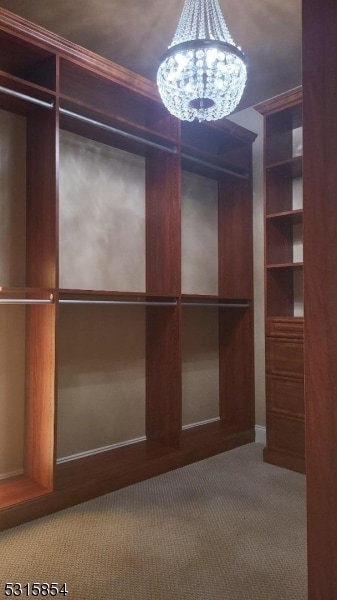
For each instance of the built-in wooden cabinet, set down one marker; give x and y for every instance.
(284, 279)
(126, 343)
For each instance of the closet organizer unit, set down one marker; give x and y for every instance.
(284, 280)
(126, 341)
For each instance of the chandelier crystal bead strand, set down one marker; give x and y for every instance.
(203, 74)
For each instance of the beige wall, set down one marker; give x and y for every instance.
(199, 237)
(200, 364)
(12, 272)
(101, 377)
(102, 216)
(254, 121)
(12, 199)
(101, 399)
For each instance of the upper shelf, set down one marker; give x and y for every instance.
(113, 297)
(294, 217)
(224, 144)
(27, 62)
(113, 131)
(91, 86)
(205, 300)
(283, 115)
(290, 168)
(289, 265)
(94, 94)
(18, 96)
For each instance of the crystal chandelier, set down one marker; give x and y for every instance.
(203, 74)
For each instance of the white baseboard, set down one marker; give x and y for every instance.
(11, 474)
(99, 450)
(260, 438)
(260, 435)
(191, 425)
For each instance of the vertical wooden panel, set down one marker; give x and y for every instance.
(41, 198)
(42, 260)
(320, 285)
(163, 375)
(163, 237)
(235, 238)
(163, 276)
(40, 392)
(236, 359)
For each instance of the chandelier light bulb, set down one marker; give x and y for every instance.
(203, 73)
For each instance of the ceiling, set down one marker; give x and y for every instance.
(136, 33)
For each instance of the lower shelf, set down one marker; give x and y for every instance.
(86, 478)
(20, 489)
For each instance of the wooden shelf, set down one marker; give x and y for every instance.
(133, 297)
(22, 99)
(20, 489)
(209, 165)
(212, 300)
(26, 60)
(290, 168)
(102, 126)
(292, 266)
(104, 94)
(26, 290)
(294, 217)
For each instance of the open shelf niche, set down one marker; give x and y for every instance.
(200, 338)
(284, 279)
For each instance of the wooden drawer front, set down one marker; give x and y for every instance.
(289, 328)
(286, 434)
(285, 395)
(284, 357)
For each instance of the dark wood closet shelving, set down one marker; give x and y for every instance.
(289, 168)
(65, 77)
(283, 292)
(292, 265)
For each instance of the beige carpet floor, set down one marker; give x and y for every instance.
(227, 528)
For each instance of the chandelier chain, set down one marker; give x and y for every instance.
(201, 19)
